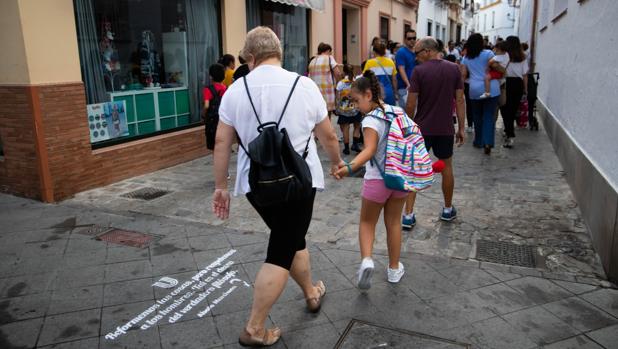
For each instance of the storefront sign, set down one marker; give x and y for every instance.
(214, 279)
(107, 121)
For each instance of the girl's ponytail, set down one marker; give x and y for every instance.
(369, 81)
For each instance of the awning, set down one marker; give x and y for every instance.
(317, 5)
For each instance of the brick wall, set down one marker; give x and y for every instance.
(18, 169)
(75, 167)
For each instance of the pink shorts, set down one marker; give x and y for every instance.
(375, 190)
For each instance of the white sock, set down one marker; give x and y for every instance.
(448, 209)
(409, 215)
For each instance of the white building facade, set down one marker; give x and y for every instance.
(447, 20)
(496, 18)
(572, 50)
(432, 19)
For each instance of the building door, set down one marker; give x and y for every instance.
(351, 34)
(458, 33)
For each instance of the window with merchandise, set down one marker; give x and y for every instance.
(290, 23)
(144, 64)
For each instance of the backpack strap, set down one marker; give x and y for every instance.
(286, 102)
(244, 79)
(215, 95)
(385, 73)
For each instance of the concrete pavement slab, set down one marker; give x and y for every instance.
(578, 342)
(70, 326)
(540, 325)
(538, 290)
(606, 299)
(607, 337)
(21, 334)
(67, 300)
(580, 314)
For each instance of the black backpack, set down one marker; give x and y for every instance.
(277, 174)
(212, 118)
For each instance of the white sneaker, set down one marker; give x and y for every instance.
(394, 275)
(469, 129)
(364, 273)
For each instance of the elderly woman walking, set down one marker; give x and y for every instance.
(261, 96)
(323, 70)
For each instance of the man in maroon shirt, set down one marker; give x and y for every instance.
(435, 84)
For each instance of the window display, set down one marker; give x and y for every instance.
(151, 56)
(290, 25)
(107, 121)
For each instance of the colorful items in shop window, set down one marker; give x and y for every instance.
(149, 61)
(109, 54)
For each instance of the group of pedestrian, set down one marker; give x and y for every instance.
(495, 78)
(276, 116)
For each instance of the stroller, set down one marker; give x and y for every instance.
(533, 83)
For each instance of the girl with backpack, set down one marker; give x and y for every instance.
(377, 193)
(347, 113)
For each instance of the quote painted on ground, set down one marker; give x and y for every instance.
(186, 296)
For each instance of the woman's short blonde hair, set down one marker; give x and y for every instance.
(262, 43)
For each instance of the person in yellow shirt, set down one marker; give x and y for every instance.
(229, 62)
(385, 70)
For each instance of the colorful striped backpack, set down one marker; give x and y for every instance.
(407, 165)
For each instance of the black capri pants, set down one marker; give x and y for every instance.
(288, 223)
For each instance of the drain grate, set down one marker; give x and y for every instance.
(92, 230)
(505, 253)
(361, 334)
(146, 193)
(126, 238)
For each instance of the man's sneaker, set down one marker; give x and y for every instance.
(448, 216)
(394, 275)
(364, 273)
(408, 221)
(508, 143)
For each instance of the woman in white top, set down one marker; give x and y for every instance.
(306, 112)
(516, 87)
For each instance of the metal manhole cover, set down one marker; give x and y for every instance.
(146, 193)
(505, 253)
(126, 238)
(360, 334)
(92, 230)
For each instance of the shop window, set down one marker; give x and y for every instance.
(384, 28)
(291, 26)
(145, 64)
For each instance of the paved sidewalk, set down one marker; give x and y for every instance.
(191, 287)
(518, 195)
(62, 289)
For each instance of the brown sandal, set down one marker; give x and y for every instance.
(314, 304)
(271, 336)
